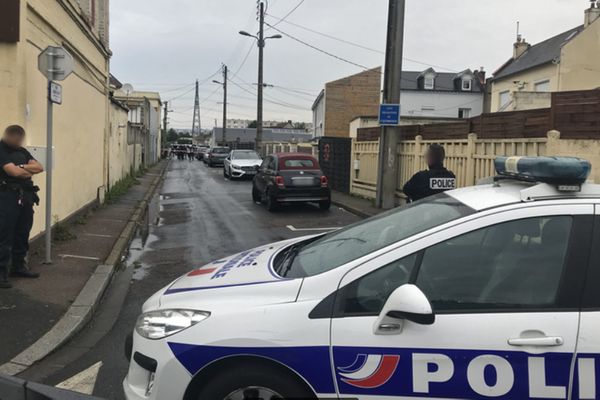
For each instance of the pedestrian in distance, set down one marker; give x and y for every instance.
(18, 194)
(436, 179)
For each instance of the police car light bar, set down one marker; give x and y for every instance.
(568, 173)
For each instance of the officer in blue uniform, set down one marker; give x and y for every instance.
(17, 197)
(436, 179)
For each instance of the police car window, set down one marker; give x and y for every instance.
(367, 295)
(518, 264)
(358, 240)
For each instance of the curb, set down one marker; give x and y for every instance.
(351, 209)
(86, 303)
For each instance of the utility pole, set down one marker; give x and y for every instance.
(224, 104)
(261, 47)
(389, 171)
(165, 121)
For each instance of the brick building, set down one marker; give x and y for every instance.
(345, 99)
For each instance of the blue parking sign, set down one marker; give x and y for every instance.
(389, 114)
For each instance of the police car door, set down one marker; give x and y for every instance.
(587, 373)
(505, 290)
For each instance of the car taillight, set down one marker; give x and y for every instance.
(279, 181)
(324, 181)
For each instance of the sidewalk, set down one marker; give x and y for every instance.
(55, 306)
(356, 205)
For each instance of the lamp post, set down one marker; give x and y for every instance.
(260, 39)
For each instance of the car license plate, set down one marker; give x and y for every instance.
(303, 181)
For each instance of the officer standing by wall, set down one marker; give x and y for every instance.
(436, 179)
(17, 197)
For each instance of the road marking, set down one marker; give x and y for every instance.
(293, 229)
(84, 382)
(98, 235)
(79, 257)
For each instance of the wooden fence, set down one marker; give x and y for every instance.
(470, 158)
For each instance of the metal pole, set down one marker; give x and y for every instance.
(224, 105)
(261, 46)
(49, 164)
(389, 170)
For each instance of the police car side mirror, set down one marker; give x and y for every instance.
(407, 303)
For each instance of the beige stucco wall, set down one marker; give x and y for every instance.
(79, 123)
(530, 78)
(120, 152)
(580, 61)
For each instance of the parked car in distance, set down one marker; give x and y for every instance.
(216, 156)
(241, 163)
(202, 150)
(291, 178)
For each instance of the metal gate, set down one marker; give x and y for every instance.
(335, 155)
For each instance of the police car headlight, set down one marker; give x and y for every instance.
(160, 324)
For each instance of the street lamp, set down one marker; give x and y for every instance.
(260, 40)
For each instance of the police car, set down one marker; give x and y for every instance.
(489, 291)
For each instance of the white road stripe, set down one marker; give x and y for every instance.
(293, 229)
(80, 257)
(84, 382)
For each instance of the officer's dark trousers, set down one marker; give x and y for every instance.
(15, 225)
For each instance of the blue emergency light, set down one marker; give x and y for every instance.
(551, 170)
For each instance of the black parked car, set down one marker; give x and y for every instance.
(291, 178)
(216, 156)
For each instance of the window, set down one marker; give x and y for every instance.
(358, 240)
(467, 84)
(504, 98)
(429, 83)
(464, 113)
(542, 86)
(514, 265)
(298, 164)
(367, 295)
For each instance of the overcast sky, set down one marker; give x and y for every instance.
(166, 45)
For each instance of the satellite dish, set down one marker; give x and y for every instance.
(128, 89)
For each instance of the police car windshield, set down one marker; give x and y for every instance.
(358, 240)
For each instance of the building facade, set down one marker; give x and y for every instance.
(345, 99)
(80, 123)
(346, 105)
(565, 62)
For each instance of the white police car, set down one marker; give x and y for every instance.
(483, 292)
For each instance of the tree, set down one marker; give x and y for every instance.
(300, 125)
(172, 136)
(253, 124)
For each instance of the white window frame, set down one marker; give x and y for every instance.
(544, 82)
(501, 95)
(429, 82)
(467, 85)
(466, 112)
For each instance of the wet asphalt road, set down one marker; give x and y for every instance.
(197, 217)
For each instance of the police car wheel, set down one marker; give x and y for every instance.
(263, 383)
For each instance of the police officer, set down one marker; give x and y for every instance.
(436, 179)
(17, 196)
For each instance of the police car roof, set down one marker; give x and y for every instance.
(506, 192)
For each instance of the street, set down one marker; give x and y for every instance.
(197, 217)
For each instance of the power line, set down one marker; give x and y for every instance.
(288, 14)
(318, 49)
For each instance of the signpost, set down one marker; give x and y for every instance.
(389, 114)
(56, 64)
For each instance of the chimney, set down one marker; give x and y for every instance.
(592, 13)
(480, 75)
(520, 47)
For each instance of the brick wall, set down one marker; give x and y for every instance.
(351, 97)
